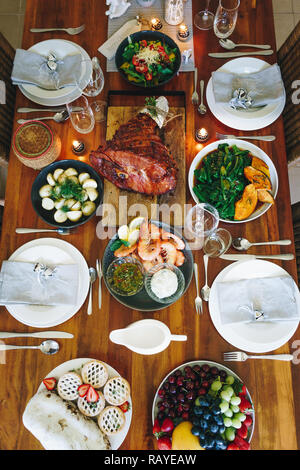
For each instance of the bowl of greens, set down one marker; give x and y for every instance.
(148, 59)
(236, 177)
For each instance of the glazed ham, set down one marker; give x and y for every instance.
(136, 159)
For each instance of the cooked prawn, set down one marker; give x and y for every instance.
(148, 247)
(125, 250)
(171, 237)
(180, 259)
(168, 252)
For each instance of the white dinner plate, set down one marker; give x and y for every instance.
(64, 95)
(50, 251)
(256, 152)
(76, 364)
(242, 119)
(252, 337)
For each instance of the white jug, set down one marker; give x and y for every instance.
(145, 336)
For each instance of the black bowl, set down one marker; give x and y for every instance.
(41, 179)
(149, 36)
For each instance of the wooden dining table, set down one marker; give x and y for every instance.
(273, 385)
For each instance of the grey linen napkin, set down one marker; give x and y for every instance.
(31, 68)
(24, 283)
(264, 87)
(269, 299)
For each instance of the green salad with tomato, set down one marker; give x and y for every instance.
(149, 62)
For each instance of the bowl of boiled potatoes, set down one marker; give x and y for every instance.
(66, 193)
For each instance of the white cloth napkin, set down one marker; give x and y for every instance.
(31, 68)
(20, 283)
(264, 87)
(244, 301)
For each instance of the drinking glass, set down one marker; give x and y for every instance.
(96, 83)
(226, 17)
(99, 110)
(201, 221)
(81, 115)
(217, 243)
(204, 19)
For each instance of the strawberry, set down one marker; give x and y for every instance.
(167, 425)
(92, 395)
(241, 443)
(243, 431)
(244, 390)
(83, 389)
(156, 430)
(125, 406)
(248, 421)
(49, 383)
(232, 446)
(245, 405)
(164, 443)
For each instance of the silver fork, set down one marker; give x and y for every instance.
(195, 96)
(71, 31)
(198, 300)
(241, 356)
(266, 138)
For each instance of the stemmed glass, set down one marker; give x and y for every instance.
(225, 18)
(200, 222)
(81, 115)
(96, 83)
(204, 19)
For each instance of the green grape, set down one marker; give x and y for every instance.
(225, 396)
(216, 386)
(227, 422)
(230, 434)
(236, 423)
(224, 406)
(240, 416)
(228, 389)
(229, 379)
(228, 413)
(234, 408)
(235, 400)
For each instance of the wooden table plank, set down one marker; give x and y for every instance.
(274, 386)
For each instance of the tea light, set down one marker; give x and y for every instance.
(183, 32)
(78, 147)
(201, 135)
(156, 24)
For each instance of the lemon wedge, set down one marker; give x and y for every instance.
(133, 236)
(136, 223)
(123, 232)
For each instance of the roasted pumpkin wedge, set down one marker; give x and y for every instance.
(265, 196)
(245, 206)
(257, 177)
(260, 165)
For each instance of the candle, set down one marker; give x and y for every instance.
(78, 147)
(201, 135)
(156, 24)
(183, 32)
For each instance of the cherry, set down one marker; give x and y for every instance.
(202, 391)
(161, 392)
(185, 415)
(205, 383)
(205, 367)
(172, 379)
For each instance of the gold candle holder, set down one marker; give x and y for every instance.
(183, 32)
(156, 24)
(78, 147)
(201, 135)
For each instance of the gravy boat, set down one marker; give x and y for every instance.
(145, 336)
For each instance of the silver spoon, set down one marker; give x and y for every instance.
(205, 291)
(228, 44)
(58, 117)
(241, 243)
(47, 347)
(93, 277)
(61, 231)
(202, 108)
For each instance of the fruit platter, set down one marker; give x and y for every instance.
(202, 405)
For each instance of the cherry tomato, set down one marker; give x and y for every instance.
(135, 60)
(141, 68)
(143, 43)
(148, 76)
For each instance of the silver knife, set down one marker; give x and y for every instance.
(220, 55)
(99, 272)
(239, 257)
(33, 110)
(39, 334)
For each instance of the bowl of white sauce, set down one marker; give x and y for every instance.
(164, 283)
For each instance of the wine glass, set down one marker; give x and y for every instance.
(226, 17)
(204, 19)
(81, 115)
(201, 221)
(217, 243)
(96, 83)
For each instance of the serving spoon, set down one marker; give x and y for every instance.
(58, 117)
(60, 231)
(241, 243)
(48, 347)
(228, 44)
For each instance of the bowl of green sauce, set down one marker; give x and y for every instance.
(125, 276)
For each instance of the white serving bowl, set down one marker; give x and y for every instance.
(255, 151)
